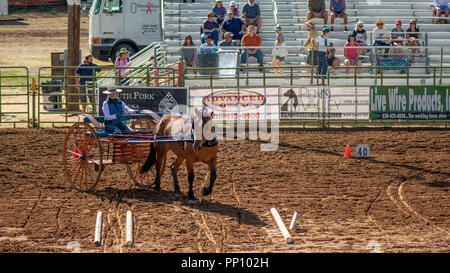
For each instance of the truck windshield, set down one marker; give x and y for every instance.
(95, 8)
(116, 6)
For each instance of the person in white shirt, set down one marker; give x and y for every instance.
(113, 109)
(321, 43)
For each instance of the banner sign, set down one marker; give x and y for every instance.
(409, 102)
(157, 99)
(237, 103)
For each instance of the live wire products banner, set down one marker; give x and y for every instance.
(409, 102)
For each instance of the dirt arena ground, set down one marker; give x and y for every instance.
(396, 201)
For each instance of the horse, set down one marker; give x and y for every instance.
(193, 150)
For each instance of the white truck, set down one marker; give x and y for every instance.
(132, 24)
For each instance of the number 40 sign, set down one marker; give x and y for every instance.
(362, 150)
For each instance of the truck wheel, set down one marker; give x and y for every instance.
(115, 52)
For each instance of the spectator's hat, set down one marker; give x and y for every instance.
(360, 23)
(398, 22)
(310, 22)
(218, 1)
(228, 34)
(230, 11)
(233, 4)
(325, 30)
(412, 21)
(112, 90)
(277, 27)
(124, 50)
(379, 21)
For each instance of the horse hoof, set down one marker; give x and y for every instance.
(206, 191)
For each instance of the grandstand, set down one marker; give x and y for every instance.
(186, 18)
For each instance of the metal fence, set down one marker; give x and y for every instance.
(15, 96)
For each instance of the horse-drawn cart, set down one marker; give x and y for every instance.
(87, 151)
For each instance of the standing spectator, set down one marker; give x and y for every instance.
(86, 71)
(337, 9)
(316, 8)
(252, 15)
(397, 38)
(210, 27)
(441, 7)
(234, 8)
(311, 59)
(208, 47)
(122, 61)
(249, 41)
(188, 53)
(381, 36)
(351, 52)
(413, 38)
(321, 43)
(332, 60)
(234, 25)
(361, 36)
(279, 52)
(219, 11)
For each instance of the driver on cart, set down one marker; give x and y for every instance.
(113, 109)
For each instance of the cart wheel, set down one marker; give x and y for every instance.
(143, 180)
(83, 162)
(143, 124)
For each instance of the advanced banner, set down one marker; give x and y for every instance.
(157, 99)
(409, 102)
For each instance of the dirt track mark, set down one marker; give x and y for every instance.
(372, 219)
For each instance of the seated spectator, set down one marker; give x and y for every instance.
(337, 9)
(380, 35)
(332, 60)
(252, 15)
(249, 41)
(279, 52)
(208, 47)
(441, 7)
(228, 41)
(413, 38)
(210, 27)
(397, 37)
(188, 53)
(234, 25)
(361, 36)
(316, 8)
(219, 11)
(311, 59)
(321, 43)
(234, 8)
(351, 52)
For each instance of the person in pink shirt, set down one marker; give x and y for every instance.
(351, 53)
(123, 61)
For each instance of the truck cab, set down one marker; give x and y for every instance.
(132, 24)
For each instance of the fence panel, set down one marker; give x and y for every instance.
(15, 96)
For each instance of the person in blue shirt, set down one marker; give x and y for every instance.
(85, 72)
(113, 109)
(251, 14)
(234, 25)
(219, 11)
(208, 47)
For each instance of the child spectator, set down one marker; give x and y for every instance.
(234, 25)
(311, 59)
(279, 52)
(208, 47)
(252, 15)
(250, 41)
(361, 35)
(321, 43)
(210, 27)
(337, 9)
(441, 7)
(219, 11)
(397, 37)
(351, 52)
(234, 8)
(316, 8)
(332, 60)
(188, 53)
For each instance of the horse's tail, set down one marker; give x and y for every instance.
(151, 160)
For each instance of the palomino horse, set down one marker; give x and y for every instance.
(197, 150)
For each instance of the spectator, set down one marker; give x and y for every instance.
(219, 11)
(249, 41)
(361, 36)
(397, 37)
(122, 61)
(332, 60)
(279, 52)
(252, 15)
(230, 44)
(311, 59)
(208, 47)
(351, 52)
(413, 38)
(234, 25)
(321, 43)
(337, 9)
(316, 8)
(87, 71)
(380, 35)
(210, 27)
(188, 53)
(441, 7)
(234, 8)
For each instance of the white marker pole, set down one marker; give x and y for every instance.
(98, 229)
(281, 226)
(293, 220)
(129, 235)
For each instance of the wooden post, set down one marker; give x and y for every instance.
(73, 52)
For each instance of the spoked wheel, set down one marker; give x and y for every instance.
(143, 124)
(147, 179)
(83, 163)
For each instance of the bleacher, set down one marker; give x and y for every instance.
(186, 18)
